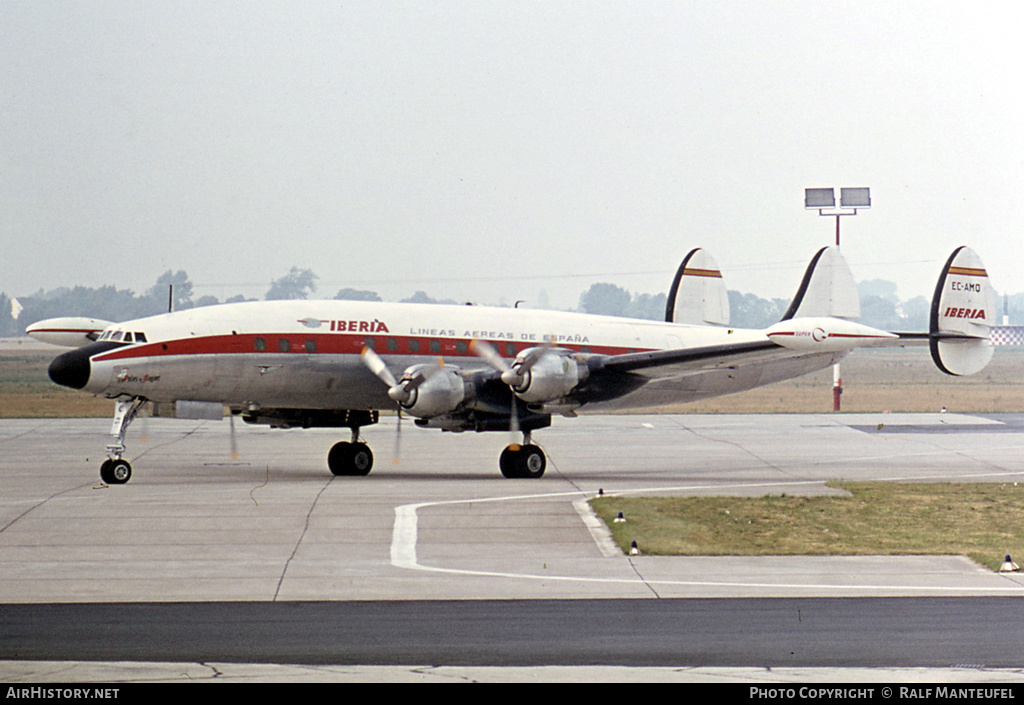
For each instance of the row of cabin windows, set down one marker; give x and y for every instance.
(434, 346)
(390, 344)
(283, 345)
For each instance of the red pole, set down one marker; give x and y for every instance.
(837, 384)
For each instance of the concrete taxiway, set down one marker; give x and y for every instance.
(272, 525)
(195, 524)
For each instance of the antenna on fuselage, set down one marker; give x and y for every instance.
(170, 298)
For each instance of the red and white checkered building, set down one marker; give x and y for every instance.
(1007, 335)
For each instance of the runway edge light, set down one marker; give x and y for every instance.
(1008, 565)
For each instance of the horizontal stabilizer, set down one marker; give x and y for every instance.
(827, 289)
(698, 294)
(963, 309)
(68, 332)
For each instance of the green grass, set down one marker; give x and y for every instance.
(983, 521)
(27, 392)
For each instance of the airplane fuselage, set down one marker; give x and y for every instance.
(306, 354)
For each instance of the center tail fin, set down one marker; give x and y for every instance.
(827, 289)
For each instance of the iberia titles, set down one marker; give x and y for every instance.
(374, 326)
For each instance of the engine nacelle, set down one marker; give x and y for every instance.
(427, 390)
(551, 377)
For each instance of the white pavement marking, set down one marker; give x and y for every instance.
(404, 540)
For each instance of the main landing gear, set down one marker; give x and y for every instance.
(523, 460)
(519, 461)
(115, 470)
(350, 458)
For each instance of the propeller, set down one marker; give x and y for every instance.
(234, 441)
(399, 391)
(513, 375)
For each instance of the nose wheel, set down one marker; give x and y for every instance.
(115, 471)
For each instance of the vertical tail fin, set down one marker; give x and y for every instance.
(963, 310)
(698, 294)
(827, 289)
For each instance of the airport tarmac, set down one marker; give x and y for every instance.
(272, 525)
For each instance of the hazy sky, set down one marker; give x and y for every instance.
(487, 150)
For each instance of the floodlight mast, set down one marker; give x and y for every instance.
(823, 199)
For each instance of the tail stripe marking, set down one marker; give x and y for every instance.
(968, 271)
(694, 272)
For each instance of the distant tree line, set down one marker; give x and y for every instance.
(880, 305)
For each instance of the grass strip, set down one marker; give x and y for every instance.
(983, 521)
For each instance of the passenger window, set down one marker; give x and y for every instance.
(283, 345)
(435, 346)
(460, 347)
(414, 345)
(510, 349)
(260, 344)
(391, 344)
(370, 343)
(311, 346)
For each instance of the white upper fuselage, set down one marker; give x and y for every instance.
(306, 354)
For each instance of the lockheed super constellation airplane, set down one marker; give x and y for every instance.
(472, 368)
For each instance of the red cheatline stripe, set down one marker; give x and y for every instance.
(832, 335)
(66, 330)
(714, 273)
(968, 271)
(329, 344)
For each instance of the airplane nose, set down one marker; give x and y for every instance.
(71, 369)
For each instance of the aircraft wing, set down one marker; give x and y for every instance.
(664, 377)
(668, 363)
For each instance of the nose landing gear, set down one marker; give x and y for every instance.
(115, 470)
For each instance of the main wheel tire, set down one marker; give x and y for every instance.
(350, 459)
(526, 461)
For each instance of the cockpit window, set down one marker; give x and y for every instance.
(119, 335)
(140, 337)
